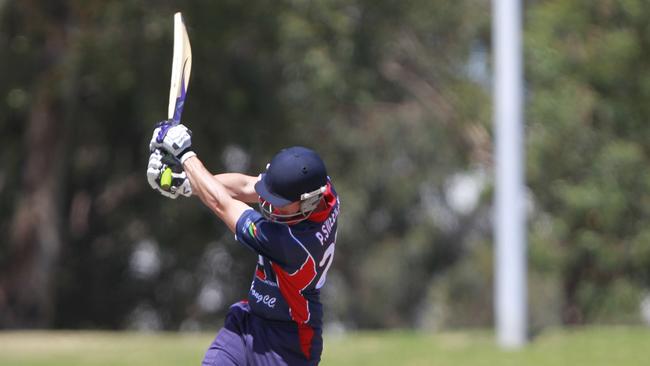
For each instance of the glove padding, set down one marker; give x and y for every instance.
(176, 140)
(180, 183)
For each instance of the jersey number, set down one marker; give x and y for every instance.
(326, 262)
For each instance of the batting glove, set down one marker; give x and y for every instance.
(180, 184)
(174, 139)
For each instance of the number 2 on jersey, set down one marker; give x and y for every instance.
(328, 257)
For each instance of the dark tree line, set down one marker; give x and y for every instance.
(396, 97)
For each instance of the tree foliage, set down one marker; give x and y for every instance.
(396, 97)
(588, 143)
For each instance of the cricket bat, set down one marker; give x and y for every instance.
(181, 68)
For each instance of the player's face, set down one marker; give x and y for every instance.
(288, 209)
(289, 214)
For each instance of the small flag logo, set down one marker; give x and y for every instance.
(252, 230)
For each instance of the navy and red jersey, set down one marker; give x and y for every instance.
(292, 266)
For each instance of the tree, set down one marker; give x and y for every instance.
(389, 92)
(587, 67)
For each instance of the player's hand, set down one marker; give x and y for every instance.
(176, 140)
(180, 184)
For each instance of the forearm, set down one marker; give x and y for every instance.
(239, 186)
(213, 193)
(209, 190)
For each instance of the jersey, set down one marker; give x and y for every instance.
(292, 266)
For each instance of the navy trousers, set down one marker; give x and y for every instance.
(249, 340)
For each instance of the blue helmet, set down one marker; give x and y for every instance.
(295, 174)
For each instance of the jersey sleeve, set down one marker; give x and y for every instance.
(263, 237)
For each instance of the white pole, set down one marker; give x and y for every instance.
(510, 231)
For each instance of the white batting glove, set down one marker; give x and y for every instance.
(180, 183)
(176, 140)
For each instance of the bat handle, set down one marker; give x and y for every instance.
(166, 179)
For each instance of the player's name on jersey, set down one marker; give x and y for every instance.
(326, 229)
(264, 299)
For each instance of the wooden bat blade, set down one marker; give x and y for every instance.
(181, 68)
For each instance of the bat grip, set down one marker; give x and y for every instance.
(166, 179)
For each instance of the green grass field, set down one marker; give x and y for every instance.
(606, 346)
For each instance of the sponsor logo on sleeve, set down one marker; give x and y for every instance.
(252, 230)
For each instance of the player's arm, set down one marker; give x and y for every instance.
(177, 141)
(213, 193)
(239, 186)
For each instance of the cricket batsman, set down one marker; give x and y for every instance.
(293, 234)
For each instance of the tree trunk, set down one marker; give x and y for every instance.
(27, 282)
